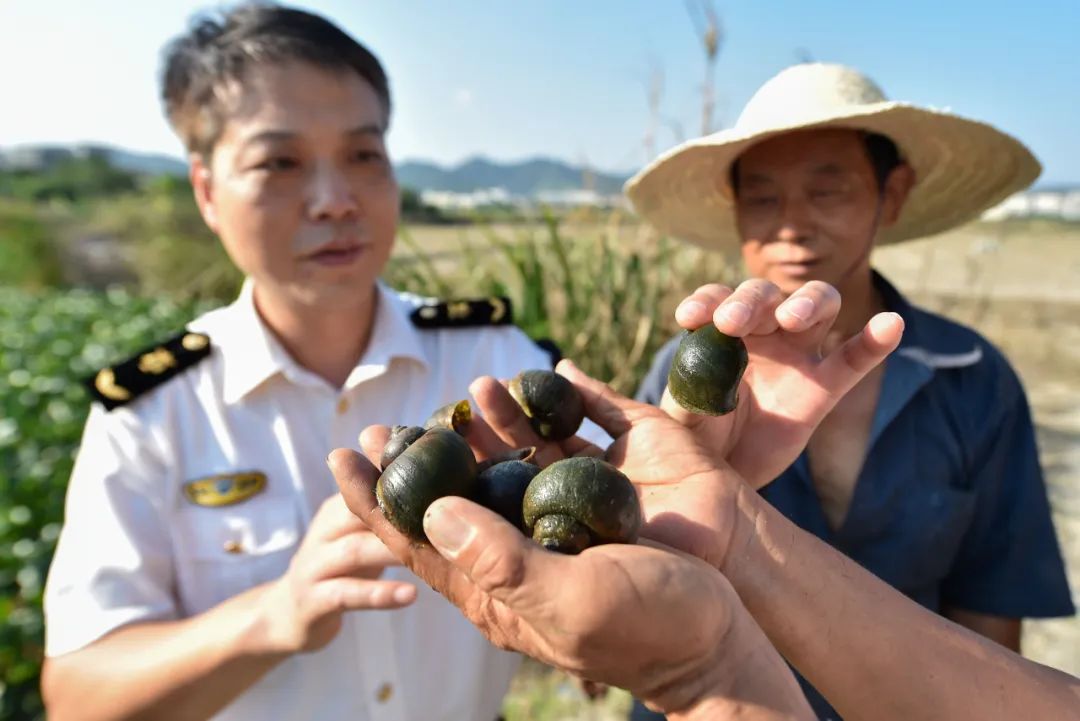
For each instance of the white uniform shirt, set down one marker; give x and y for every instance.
(133, 548)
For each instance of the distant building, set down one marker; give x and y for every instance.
(1056, 203)
(488, 197)
(449, 200)
(579, 197)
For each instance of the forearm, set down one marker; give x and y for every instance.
(872, 652)
(748, 681)
(184, 669)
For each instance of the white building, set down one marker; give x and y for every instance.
(1058, 203)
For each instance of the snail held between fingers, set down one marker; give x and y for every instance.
(706, 371)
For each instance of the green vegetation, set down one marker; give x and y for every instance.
(49, 342)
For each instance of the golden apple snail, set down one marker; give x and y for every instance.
(552, 403)
(580, 502)
(401, 437)
(706, 371)
(439, 463)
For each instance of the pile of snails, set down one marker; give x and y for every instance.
(568, 506)
(573, 503)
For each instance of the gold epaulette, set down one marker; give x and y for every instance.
(466, 313)
(121, 383)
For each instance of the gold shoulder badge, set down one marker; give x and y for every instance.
(225, 489)
(467, 313)
(116, 385)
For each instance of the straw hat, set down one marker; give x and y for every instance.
(962, 166)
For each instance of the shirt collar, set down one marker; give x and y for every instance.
(934, 350)
(252, 354)
(922, 352)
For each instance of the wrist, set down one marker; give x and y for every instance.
(747, 536)
(263, 634)
(745, 677)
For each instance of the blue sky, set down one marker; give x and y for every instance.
(566, 78)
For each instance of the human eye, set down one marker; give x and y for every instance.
(277, 164)
(755, 200)
(366, 155)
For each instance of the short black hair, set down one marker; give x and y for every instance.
(881, 151)
(217, 51)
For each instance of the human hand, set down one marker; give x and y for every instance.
(789, 385)
(643, 617)
(336, 569)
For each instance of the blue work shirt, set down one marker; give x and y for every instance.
(950, 506)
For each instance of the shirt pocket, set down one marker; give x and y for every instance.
(227, 550)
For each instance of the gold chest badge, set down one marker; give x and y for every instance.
(225, 489)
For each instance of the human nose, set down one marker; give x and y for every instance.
(794, 223)
(331, 196)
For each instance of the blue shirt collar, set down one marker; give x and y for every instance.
(922, 353)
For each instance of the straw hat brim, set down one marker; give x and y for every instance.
(962, 167)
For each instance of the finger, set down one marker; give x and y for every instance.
(603, 406)
(333, 520)
(751, 309)
(355, 594)
(372, 441)
(809, 313)
(849, 363)
(494, 555)
(485, 442)
(697, 308)
(577, 446)
(688, 419)
(506, 419)
(356, 479)
(358, 554)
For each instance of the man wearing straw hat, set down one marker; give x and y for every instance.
(927, 472)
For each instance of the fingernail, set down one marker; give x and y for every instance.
(447, 531)
(690, 306)
(735, 313)
(403, 594)
(801, 308)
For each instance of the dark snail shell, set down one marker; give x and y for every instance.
(580, 502)
(501, 487)
(401, 437)
(520, 454)
(551, 402)
(706, 371)
(454, 416)
(439, 463)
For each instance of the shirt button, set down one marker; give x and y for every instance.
(342, 406)
(384, 693)
(233, 547)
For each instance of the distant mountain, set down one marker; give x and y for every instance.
(527, 178)
(40, 157)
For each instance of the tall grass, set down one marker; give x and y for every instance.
(604, 292)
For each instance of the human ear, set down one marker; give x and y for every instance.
(203, 187)
(898, 186)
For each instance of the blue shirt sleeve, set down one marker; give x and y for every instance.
(652, 386)
(1009, 563)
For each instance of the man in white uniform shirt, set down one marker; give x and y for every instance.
(202, 570)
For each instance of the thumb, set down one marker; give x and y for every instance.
(494, 555)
